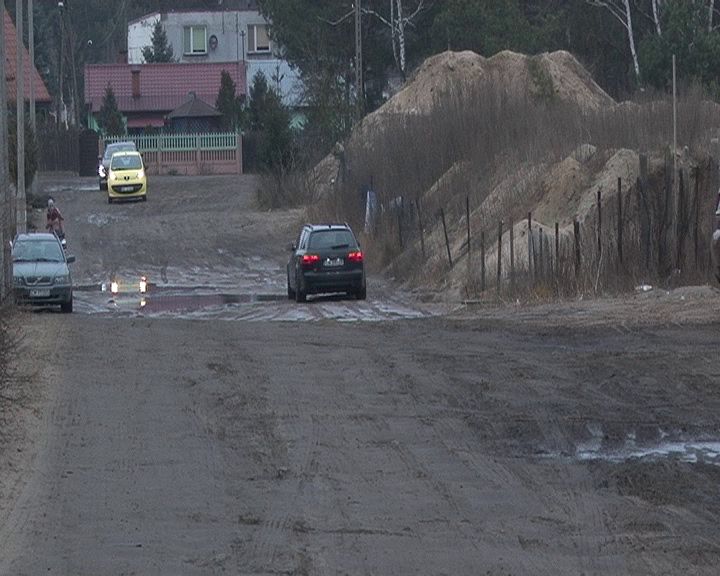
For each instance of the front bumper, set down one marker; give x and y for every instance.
(43, 295)
(123, 189)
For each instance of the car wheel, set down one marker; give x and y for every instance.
(300, 294)
(67, 307)
(144, 198)
(291, 292)
(362, 293)
(110, 200)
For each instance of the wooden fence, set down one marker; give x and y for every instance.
(657, 230)
(188, 154)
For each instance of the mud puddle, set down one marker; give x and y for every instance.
(706, 452)
(204, 302)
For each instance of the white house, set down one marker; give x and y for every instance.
(220, 36)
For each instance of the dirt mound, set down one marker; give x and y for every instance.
(547, 76)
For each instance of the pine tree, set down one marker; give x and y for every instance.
(159, 50)
(110, 118)
(227, 103)
(258, 101)
(271, 120)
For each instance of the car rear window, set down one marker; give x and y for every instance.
(327, 239)
(131, 162)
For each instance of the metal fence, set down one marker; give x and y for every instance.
(188, 154)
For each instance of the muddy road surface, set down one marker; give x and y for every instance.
(252, 435)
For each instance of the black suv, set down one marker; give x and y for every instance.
(326, 258)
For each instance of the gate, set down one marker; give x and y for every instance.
(57, 149)
(88, 153)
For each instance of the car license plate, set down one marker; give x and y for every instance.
(39, 293)
(333, 262)
(126, 188)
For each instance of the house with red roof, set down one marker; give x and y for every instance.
(42, 96)
(148, 94)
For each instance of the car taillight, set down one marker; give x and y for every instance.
(309, 260)
(355, 256)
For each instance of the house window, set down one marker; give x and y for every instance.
(258, 39)
(195, 40)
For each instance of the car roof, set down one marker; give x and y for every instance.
(35, 237)
(316, 227)
(126, 153)
(118, 144)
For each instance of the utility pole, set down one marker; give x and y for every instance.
(20, 107)
(359, 92)
(31, 49)
(61, 117)
(5, 217)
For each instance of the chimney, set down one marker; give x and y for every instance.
(136, 83)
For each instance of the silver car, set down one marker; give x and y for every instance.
(41, 275)
(104, 160)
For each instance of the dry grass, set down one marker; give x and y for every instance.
(493, 147)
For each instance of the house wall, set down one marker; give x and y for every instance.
(231, 30)
(139, 36)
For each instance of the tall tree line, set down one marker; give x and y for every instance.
(625, 44)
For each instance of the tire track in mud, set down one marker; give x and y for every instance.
(505, 476)
(290, 437)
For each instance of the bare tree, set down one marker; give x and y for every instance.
(620, 9)
(656, 7)
(711, 11)
(397, 22)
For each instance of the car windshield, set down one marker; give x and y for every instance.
(113, 148)
(329, 239)
(45, 251)
(126, 162)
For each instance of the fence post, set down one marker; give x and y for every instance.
(512, 257)
(399, 219)
(499, 256)
(540, 256)
(158, 152)
(482, 261)
(576, 234)
(696, 210)
(467, 216)
(447, 242)
(599, 224)
(619, 223)
(198, 160)
(557, 251)
(239, 152)
(530, 253)
(420, 227)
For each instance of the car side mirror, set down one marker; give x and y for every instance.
(292, 247)
(70, 259)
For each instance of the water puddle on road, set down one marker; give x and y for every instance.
(684, 450)
(189, 303)
(693, 452)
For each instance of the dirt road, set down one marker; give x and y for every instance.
(245, 437)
